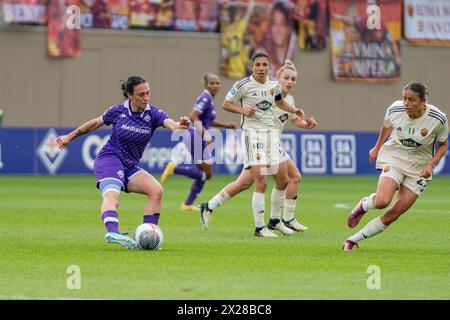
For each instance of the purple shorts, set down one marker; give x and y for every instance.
(196, 146)
(109, 166)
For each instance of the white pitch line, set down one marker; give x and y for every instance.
(21, 297)
(342, 206)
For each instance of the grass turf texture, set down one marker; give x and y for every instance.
(50, 223)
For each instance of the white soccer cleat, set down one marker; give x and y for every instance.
(265, 233)
(276, 224)
(295, 225)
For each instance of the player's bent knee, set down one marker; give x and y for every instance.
(381, 202)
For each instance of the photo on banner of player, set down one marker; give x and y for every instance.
(250, 25)
(62, 41)
(152, 14)
(24, 11)
(111, 14)
(365, 39)
(196, 15)
(312, 24)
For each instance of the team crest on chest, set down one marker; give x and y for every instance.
(424, 132)
(386, 168)
(272, 92)
(147, 118)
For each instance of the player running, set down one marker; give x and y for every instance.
(406, 160)
(203, 116)
(287, 76)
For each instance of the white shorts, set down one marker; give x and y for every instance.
(415, 184)
(262, 148)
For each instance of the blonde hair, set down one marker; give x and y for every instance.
(288, 65)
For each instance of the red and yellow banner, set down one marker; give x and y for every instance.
(248, 26)
(427, 22)
(312, 24)
(365, 39)
(152, 14)
(196, 15)
(63, 33)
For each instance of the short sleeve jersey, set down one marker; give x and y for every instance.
(131, 131)
(411, 144)
(281, 117)
(249, 93)
(205, 105)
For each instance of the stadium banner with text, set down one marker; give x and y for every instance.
(25, 11)
(108, 13)
(427, 22)
(196, 15)
(158, 14)
(312, 24)
(365, 39)
(35, 151)
(250, 25)
(63, 32)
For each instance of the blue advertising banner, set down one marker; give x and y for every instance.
(35, 151)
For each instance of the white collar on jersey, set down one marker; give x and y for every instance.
(253, 78)
(126, 104)
(208, 93)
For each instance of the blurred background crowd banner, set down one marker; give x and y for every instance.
(312, 23)
(250, 25)
(365, 43)
(427, 21)
(63, 32)
(364, 35)
(24, 11)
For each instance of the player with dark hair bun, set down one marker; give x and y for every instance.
(116, 166)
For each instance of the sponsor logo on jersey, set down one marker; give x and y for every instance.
(283, 117)
(123, 115)
(424, 132)
(398, 129)
(254, 94)
(410, 143)
(135, 129)
(263, 105)
(120, 174)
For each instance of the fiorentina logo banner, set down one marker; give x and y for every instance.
(365, 39)
(427, 22)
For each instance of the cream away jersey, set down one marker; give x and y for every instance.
(411, 143)
(250, 93)
(280, 116)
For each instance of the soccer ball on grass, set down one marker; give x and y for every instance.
(149, 236)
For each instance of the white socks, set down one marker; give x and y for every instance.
(219, 199)
(258, 205)
(276, 203)
(367, 204)
(372, 228)
(289, 208)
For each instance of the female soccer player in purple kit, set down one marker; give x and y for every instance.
(203, 116)
(116, 166)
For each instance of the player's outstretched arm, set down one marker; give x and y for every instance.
(179, 125)
(89, 126)
(308, 123)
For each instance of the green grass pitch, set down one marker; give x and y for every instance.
(50, 223)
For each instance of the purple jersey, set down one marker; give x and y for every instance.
(131, 131)
(205, 105)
